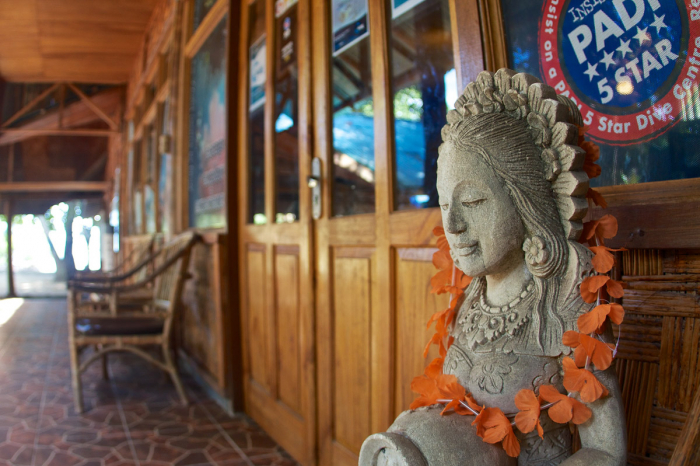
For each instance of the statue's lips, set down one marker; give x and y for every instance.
(466, 249)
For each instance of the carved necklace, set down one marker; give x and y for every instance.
(484, 323)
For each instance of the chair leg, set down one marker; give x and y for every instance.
(172, 370)
(105, 372)
(75, 378)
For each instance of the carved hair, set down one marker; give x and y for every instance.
(528, 136)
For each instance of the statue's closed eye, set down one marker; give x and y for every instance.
(472, 202)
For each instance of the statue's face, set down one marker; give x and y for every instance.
(481, 222)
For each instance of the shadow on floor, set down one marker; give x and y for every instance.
(133, 418)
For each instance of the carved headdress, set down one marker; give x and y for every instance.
(552, 122)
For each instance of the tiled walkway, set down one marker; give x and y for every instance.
(131, 419)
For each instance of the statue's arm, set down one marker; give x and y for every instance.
(604, 436)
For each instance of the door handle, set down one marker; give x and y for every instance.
(314, 182)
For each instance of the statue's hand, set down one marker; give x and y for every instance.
(423, 437)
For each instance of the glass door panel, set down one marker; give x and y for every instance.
(257, 60)
(286, 116)
(353, 181)
(424, 85)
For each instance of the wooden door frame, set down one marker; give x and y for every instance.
(386, 229)
(270, 236)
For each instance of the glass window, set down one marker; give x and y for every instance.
(286, 117)
(353, 109)
(207, 132)
(201, 8)
(626, 65)
(424, 85)
(165, 173)
(257, 56)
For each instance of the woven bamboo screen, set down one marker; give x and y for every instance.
(658, 361)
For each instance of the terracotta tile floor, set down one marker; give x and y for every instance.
(133, 418)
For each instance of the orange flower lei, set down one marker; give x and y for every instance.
(492, 425)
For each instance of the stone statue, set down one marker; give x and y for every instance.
(512, 193)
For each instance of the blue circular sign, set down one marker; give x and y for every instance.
(619, 53)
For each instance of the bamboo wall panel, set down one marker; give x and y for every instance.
(287, 322)
(260, 361)
(201, 317)
(352, 313)
(414, 306)
(659, 354)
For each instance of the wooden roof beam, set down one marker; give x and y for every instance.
(54, 186)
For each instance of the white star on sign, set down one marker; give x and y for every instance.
(591, 71)
(658, 23)
(608, 60)
(642, 35)
(624, 47)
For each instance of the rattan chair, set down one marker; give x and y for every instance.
(137, 262)
(111, 325)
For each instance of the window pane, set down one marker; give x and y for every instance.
(256, 117)
(638, 95)
(286, 113)
(353, 109)
(424, 84)
(207, 132)
(201, 8)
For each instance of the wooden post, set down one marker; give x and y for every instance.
(687, 452)
(10, 273)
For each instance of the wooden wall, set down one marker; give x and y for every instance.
(204, 313)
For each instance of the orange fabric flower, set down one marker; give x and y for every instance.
(591, 285)
(599, 352)
(469, 399)
(593, 320)
(615, 288)
(603, 228)
(566, 408)
(603, 261)
(426, 387)
(582, 381)
(597, 198)
(529, 416)
(493, 426)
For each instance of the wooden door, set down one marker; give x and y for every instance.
(275, 226)
(373, 261)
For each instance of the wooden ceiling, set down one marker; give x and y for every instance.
(89, 41)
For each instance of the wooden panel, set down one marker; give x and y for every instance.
(79, 40)
(203, 325)
(260, 361)
(352, 312)
(287, 323)
(342, 456)
(414, 306)
(200, 337)
(654, 215)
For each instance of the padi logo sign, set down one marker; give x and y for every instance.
(630, 65)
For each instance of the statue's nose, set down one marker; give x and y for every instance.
(456, 223)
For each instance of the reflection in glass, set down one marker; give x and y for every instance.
(671, 155)
(257, 60)
(286, 114)
(207, 132)
(424, 85)
(353, 111)
(201, 8)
